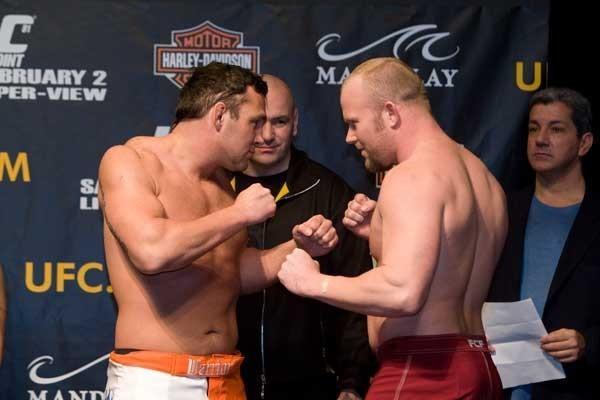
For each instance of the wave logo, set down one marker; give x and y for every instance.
(200, 46)
(39, 362)
(405, 39)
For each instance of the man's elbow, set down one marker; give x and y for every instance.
(149, 260)
(407, 304)
(152, 251)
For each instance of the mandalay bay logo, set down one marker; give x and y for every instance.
(41, 374)
(423, 35)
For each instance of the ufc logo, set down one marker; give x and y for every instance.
(7, 30)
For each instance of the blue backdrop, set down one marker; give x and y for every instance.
(78, 77)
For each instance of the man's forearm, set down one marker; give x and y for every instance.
(259, 268)
(166, 245)
(370, 294)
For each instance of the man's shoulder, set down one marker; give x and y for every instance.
(413, 186)
(134, 146)
(137, 157)
(117, 156)
(590, 206)
(145, 146)
(414, 175)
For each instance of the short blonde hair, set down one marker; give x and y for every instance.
(390, 79)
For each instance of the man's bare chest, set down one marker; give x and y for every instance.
(184, 200)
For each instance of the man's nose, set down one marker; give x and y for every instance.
(350, 138)
(267, 135)
(542, 136)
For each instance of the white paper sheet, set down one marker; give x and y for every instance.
(514, 330)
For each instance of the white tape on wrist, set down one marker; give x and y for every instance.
(324, 285)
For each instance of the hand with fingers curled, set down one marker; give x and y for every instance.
(565, 345)
(255, 204)
(300, 274)
(357, 217)
(316, 236)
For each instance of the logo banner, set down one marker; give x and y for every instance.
(78, 79)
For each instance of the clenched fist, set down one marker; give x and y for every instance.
(255, 204)
(316, 235)
(300, 274)
(357, 217)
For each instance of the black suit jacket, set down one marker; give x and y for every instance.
(574, 297)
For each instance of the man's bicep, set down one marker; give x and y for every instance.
(411, 233)
(129, 202)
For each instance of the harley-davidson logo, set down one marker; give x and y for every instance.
(202, 45)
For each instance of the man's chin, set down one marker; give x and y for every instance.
(263, 159)
(374, 167)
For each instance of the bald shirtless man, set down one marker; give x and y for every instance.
(175, 242)
(436, 232)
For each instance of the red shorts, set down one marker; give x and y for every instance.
(435, 367)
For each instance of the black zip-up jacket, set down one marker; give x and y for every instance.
(305, 340)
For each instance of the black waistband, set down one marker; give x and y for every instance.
(125, 351)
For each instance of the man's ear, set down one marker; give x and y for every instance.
(391, 115)
(585, 143)
(218, 114)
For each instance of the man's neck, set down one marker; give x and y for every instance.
(560, 191)
(186, 143)
(417, 131)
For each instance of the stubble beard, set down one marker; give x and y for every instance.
(373, 166)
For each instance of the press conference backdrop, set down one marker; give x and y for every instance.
(77, 77)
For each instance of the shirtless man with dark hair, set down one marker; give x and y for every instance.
(436, 231)
(175, 242)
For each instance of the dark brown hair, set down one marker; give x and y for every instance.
(213, 83)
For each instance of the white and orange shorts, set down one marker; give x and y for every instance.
(149, 375)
